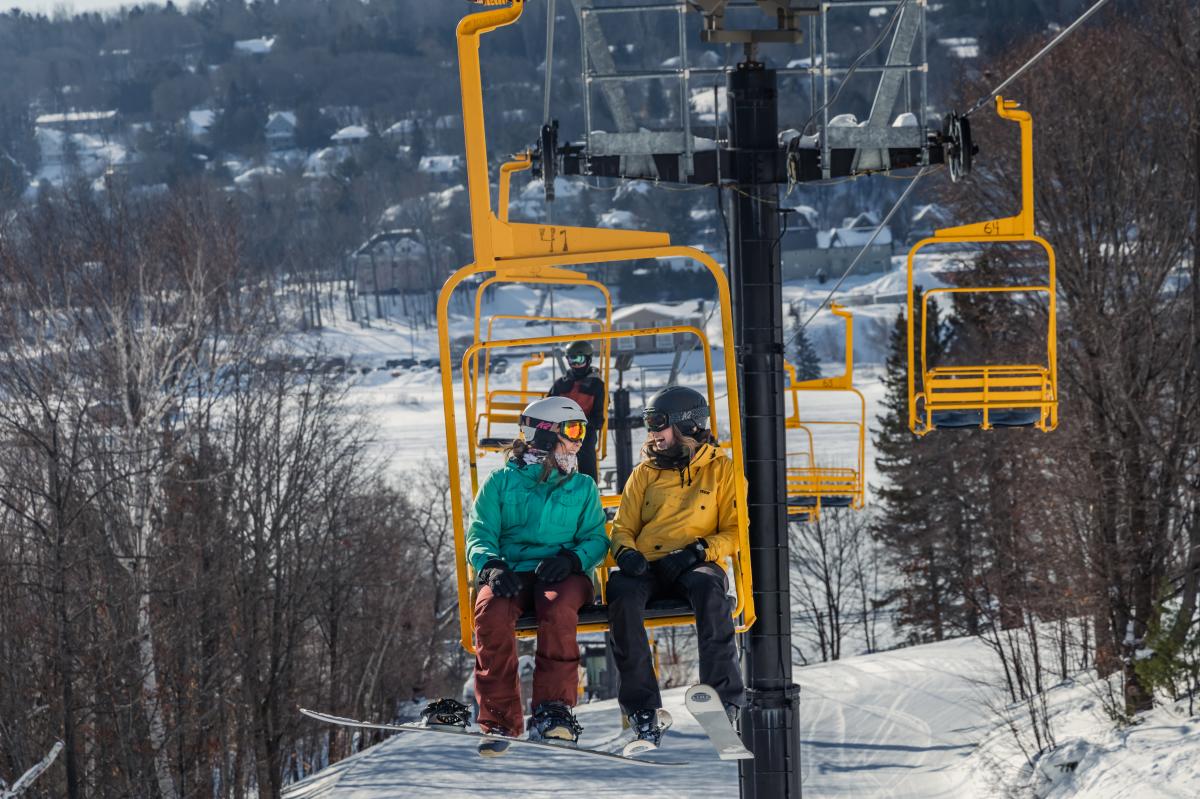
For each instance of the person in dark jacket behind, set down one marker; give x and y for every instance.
(536, 534)
(583, 384)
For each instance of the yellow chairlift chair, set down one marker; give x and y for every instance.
(542, 253)
(992, 395)
(504, 405)
(813, 485)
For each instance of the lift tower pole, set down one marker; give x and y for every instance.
(770, 721)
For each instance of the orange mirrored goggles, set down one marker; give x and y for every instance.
(573, 430)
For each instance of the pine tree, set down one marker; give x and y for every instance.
(808, 365)
(919, 504)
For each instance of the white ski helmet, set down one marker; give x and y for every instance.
(545, 419)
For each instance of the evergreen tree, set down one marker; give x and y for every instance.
(808, 365)
(917, 502)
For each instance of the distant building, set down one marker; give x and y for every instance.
(442, 165)
(260, 46)
(809, 255)
(280, 130)
(101, 122)
(350, 135)
(198, 122)
(655, 315)
(924, 222)
(396, 262)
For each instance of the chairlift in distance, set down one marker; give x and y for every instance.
(814, 485)
(987, 396)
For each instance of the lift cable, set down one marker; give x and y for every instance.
(550, 15)
(874, 234)
(1050, 46)
(982, 102)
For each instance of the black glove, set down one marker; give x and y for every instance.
(679, 561)
(503, 582)
(558, 568)
(632, 562)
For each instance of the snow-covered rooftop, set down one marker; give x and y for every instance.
(440, 164)
(75, 116)
(260, 46)
(350, 133)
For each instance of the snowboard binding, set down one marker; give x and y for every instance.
(446, 713)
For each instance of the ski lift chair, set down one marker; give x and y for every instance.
(594, 617)
(993, 395)
(542, 253)
(814, 485)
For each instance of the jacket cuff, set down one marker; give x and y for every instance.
(576, 561)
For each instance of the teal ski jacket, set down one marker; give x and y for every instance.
(522, 521)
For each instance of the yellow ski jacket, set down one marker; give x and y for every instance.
(666, 509)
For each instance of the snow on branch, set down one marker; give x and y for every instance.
(28, 777)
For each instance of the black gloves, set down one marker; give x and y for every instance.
(630, 561)
(503, 581)
(559, 567)
(679, 561)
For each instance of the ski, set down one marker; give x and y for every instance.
(570, 750)
(703, 703)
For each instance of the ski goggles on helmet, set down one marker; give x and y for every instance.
(688, 421)
(579, 359)
(656, 421)
(573, 431)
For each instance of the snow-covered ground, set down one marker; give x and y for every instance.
(894, 724)
(910, 723)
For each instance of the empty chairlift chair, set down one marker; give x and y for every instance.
(814, 483)
(991, 395)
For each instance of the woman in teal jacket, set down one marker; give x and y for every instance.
(537, 532)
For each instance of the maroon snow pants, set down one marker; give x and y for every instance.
(556, 662)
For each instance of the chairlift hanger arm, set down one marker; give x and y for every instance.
(711, 167)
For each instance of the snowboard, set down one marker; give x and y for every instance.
(570, 750)
(637, 747)
(703, 703)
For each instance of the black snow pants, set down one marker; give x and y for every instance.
(704, 586)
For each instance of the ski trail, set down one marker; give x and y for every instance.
(892, 725)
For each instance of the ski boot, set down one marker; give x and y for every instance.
(554, 722)
(446, 713)
(494, 747)
(648, 726)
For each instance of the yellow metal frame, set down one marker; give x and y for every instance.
(566, 278)
(504, 405)
(988, 388)
(819, 482)
(535, 252)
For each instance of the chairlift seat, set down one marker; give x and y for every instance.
(988, 396)
(597, 614)
(1016, 417)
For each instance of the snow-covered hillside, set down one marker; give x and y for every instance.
(915, 723)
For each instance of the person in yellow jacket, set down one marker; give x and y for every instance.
(676, 525)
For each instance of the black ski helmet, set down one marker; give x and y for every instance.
(580, 351)
(683, 407)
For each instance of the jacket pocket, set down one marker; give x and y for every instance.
(565, 507)
(513, 514)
